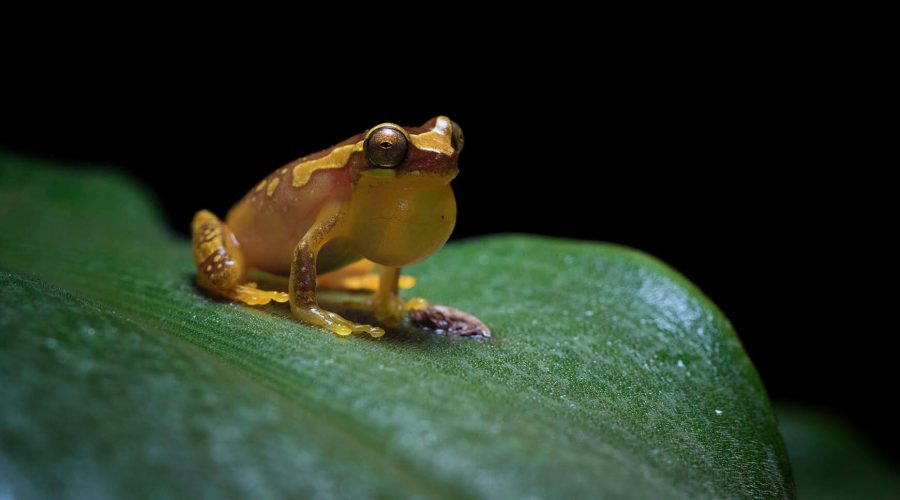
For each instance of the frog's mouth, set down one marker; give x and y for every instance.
(390, 173)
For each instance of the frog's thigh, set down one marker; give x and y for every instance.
(361, 275)
(220, 263)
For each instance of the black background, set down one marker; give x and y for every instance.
(723, 174)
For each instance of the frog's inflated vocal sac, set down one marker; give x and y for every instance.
(380, 197)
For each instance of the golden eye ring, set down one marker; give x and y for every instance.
(386, 146)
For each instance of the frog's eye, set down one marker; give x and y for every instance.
(386, 147)
(457, 140)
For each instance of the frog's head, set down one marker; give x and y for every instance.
(431, 150)
(403, 209)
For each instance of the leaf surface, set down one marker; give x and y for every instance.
(608, 375)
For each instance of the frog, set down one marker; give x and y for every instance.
(351, 216)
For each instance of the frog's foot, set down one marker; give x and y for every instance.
(333, 322)
(220, 263)
(249, 294)
(359, 276)
(217, 254)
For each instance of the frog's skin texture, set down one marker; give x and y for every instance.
(381, 197)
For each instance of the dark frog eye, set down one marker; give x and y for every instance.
(386, 147)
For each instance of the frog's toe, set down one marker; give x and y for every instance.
(249, 294)
(415, 304)
(373, 331)
(334, 322)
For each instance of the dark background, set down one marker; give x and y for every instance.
(723, 174)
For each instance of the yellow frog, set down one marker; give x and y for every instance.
(382, 197)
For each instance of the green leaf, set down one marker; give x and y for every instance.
(609, 375)
(832, 461)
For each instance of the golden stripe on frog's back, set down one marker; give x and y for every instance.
(336, 158)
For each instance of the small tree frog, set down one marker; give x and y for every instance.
(381, 197)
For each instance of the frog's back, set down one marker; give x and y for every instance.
(272, 217)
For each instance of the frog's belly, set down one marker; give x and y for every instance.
(268, 228)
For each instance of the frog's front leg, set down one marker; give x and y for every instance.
(389, 308)
(302, 284)
(386, 303)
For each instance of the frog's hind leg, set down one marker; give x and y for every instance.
(362, 275)
(220, 263)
